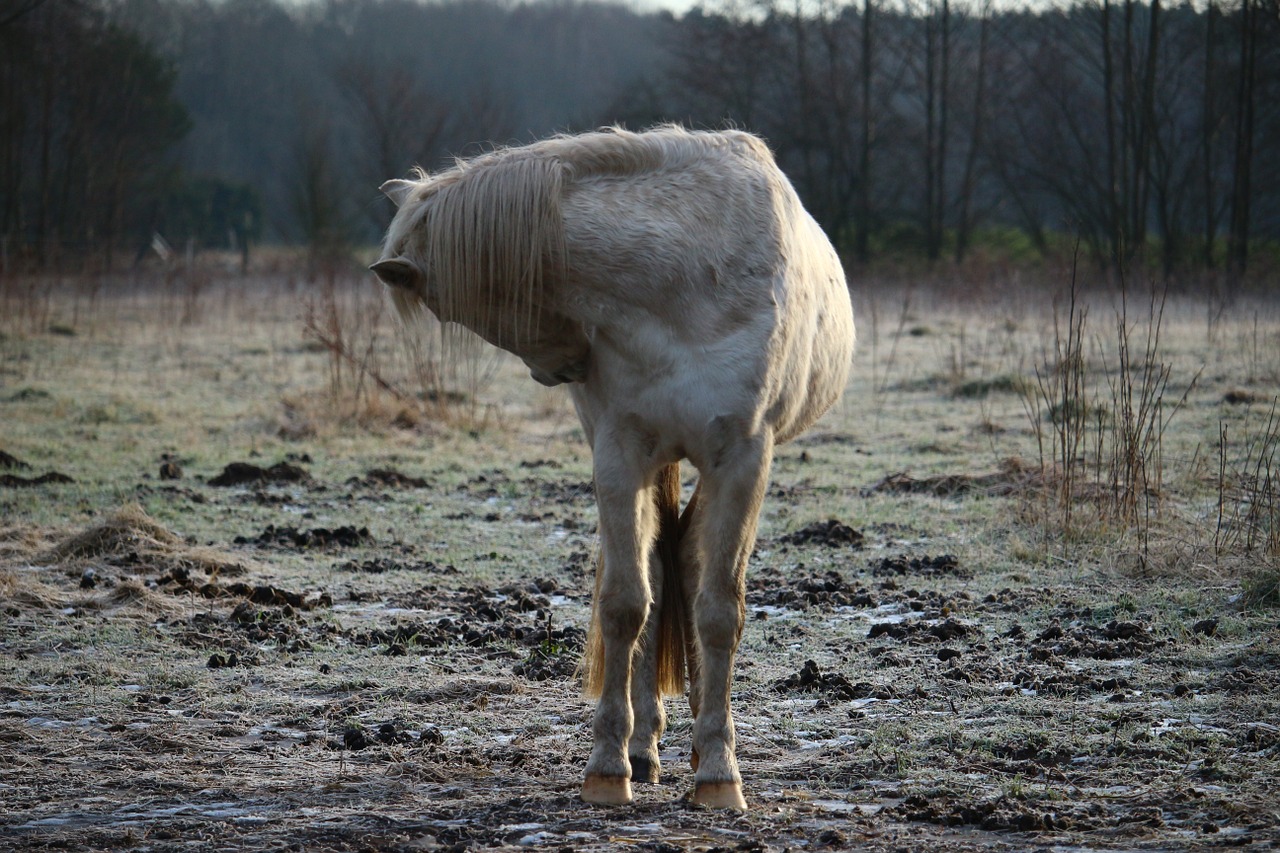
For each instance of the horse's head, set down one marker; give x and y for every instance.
(430, 260)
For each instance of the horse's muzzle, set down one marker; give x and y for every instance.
(574, 372)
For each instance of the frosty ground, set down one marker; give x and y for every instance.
(292, 588)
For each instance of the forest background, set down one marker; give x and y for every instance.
(916, 131)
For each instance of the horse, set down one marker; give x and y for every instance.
(674, 282)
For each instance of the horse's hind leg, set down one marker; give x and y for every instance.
(732, 490)
(627, 531)
(690, 578)
(659, 665)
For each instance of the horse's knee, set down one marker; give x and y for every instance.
(719, 619)
(622, 616)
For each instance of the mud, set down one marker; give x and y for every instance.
(246, 473)
(832, 533)
(385, 696)
(16, 482)
(346, 536)
(389, 478)
(9, 461)
(1013, 478)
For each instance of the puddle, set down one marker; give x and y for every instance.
(55, 725)
(376, 611)
(239, 813)
(838, 740)
(1169, 724)
(892, 613)
(841, 807)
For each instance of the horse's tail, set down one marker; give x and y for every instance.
(672, 610)
(673, 614)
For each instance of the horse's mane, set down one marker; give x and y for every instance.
(486, 229)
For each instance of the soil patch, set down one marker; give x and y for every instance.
(920, 631)
(1014, 477)
(921, 567)
(509, 622)
(811, 679)
(12, 462)
(381, 565)
(346, 536)
(16, 482)
(824, 592)
(1114, 641)
(832, 533)
(246, 473)
(389, 478)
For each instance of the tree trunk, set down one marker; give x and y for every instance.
(1145, 135)
(964, 225)
(1113, 178)
(863, 227)
(1238, 238)
(1207, 121)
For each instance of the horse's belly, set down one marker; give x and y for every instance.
(675, 397)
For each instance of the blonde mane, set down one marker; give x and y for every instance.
(489, 232)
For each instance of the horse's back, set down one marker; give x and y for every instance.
(708, 292)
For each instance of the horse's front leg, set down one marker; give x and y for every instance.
(649, 717)
(627, 530)
(733, 488)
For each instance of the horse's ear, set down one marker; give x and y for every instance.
(397, 189)
(396, 272)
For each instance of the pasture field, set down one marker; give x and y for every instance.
(270, 580)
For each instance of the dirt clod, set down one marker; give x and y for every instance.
(943, 564)
(811, 679)
(12, 462)
(17, 482)
(1207, 627)
(832, 533)
(389, 478)
(318, 537)
(1014, 477)
(920, 631)
(244, 473)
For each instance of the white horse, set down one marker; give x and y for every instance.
(696, 311)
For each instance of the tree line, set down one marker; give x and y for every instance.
(1148, 132)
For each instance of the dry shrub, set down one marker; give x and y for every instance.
(1015, 477)
(21, 541)
(1249, 488)
(130, 594)
(28, 591)
(1262, 588)
(1102, 429)
(130, 531)
(382, 373)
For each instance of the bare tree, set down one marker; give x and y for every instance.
(1241, 183)
(318, 196)
(862, 219)
(964, 216)
(397, 123)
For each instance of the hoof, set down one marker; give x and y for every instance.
(693, 760)
(720, 795)
(607, 790)
(644, 770)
